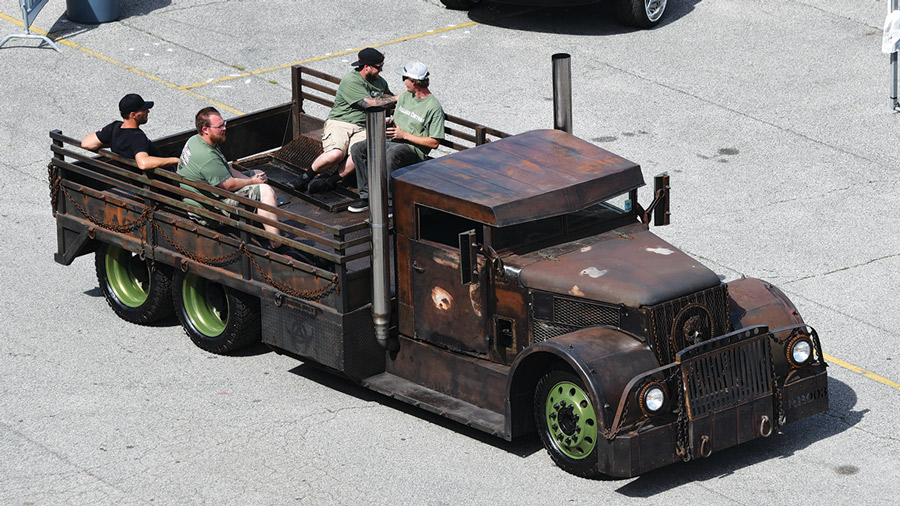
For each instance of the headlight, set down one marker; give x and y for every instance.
(653, 398)
(800, 351)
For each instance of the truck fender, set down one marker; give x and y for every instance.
(757, 302)
(605, 358)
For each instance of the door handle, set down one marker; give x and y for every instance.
(418, 268)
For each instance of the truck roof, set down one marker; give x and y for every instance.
(525, 177)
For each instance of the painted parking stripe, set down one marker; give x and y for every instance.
(329, 55)
(859, 370)
(66, 42)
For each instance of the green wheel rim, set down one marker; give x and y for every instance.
(205, 305)
(571, 420)
(128, 276)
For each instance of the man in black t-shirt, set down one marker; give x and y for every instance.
(126, 138)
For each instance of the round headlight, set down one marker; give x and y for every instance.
(800, 351)
(653, 398)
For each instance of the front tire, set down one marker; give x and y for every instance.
(640, 13)
(460, 5)
(567, 423)
(216, 318)
(138, 291)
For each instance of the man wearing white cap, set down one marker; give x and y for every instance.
(418, 127)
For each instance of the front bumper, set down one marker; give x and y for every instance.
(719, 408)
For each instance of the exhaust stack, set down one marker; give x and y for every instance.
(562, 92)
(378, 221)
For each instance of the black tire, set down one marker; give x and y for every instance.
(460, 5)
(136, 290)
(640, 13)
(567, 422)
(216, 318)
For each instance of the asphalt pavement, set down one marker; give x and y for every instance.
(773, 118)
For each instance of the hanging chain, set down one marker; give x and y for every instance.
(147, 216)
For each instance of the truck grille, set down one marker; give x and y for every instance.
(712, 302)
(569, 315)
(727, 371)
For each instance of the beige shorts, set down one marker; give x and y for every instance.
(341, 135)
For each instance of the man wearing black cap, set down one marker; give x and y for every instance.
(126, 138)
(346, 123)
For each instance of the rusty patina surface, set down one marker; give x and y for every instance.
(629, 265)
(525, 177)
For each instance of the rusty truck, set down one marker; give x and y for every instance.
(516, 287)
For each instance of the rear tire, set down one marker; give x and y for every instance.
(567, 423)
(460, 5)
(138, 291)
(640, 13)
(216, 318)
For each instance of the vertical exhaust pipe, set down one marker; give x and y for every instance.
(562, 92)
(378, 221)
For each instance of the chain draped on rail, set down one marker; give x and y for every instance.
(147, 218)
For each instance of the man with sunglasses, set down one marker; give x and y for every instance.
(346, 123)
(418, 127)
(203, 161)
(126, 138)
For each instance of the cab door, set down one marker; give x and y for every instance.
(447, 312)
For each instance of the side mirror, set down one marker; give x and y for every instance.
(659, 208)
(661, 189)
(468, 259)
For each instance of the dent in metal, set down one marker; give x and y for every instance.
(442, 298)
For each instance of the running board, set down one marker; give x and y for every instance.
(430, 400)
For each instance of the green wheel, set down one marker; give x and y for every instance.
(216, 318)
(136, 290)
(567, 423)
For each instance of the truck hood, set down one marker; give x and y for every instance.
(630, 265)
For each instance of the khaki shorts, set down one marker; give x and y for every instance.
(251, 191)
(341, 135)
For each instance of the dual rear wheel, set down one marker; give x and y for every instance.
(216, 318)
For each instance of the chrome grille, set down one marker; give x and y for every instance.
(727, 371)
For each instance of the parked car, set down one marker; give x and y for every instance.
(639, 13)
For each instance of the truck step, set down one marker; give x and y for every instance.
(438, 403)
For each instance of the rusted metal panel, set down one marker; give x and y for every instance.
(480, 382)
(344, 342)
(448, 313)
(521, 178)
(631, 266)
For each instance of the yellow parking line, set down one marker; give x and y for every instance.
(60, 40)
(329, 55)
(859, 370)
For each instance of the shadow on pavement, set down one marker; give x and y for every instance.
(781, 445)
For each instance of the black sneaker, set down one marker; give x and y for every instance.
(323, 183)
(299, 184)
(359, 206)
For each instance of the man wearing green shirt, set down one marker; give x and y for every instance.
(346, 123)
(418, 128)
(202, 161)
